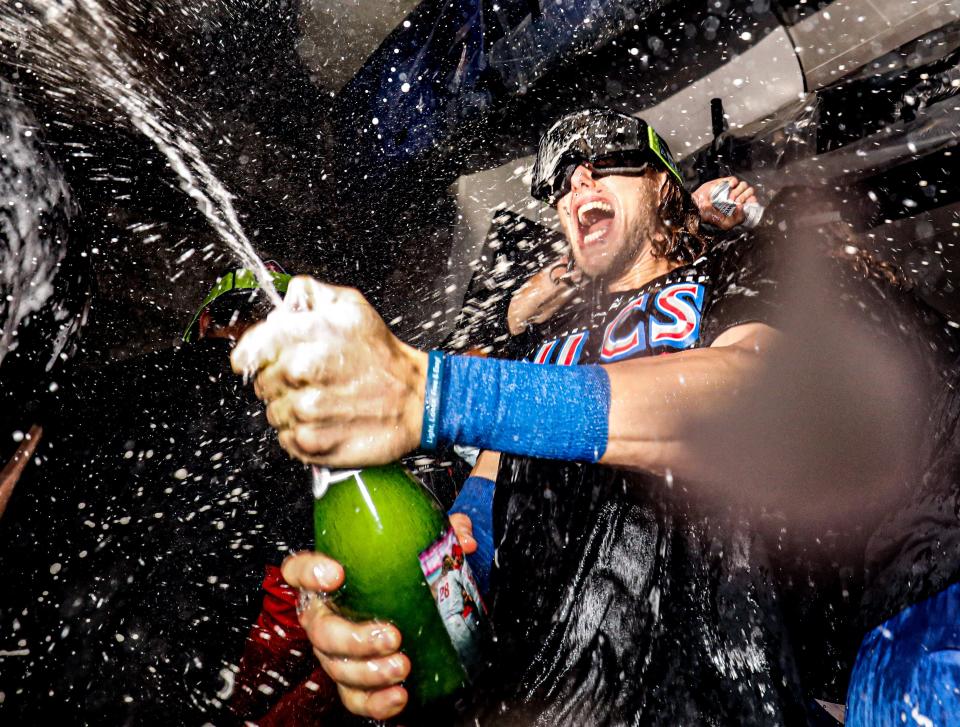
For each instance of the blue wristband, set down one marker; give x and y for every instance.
(554, 412)
(476, 502)
(431, 404)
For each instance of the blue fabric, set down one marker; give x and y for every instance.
(908, 668)
(553, 412)
(476, 502)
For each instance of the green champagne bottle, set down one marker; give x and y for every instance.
(403, 564)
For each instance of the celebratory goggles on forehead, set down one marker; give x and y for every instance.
(610, 143)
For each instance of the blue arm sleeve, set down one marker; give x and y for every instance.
(554, 412)
(476, 502)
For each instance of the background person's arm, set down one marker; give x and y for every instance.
(472, 516)
(741, 194)
(542, 295)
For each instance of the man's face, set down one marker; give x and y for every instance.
(608, 220)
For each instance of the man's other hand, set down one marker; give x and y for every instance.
(340, 388)
(740, 193)
(362, 658)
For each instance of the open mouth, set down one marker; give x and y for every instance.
(595, 219)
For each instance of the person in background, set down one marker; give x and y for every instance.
(548, 291)
(692, 446)
(134, 559)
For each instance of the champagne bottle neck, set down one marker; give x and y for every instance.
(322, 478)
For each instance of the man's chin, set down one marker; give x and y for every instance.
(595, 266)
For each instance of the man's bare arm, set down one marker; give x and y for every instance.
(343, 391)
(657, 402)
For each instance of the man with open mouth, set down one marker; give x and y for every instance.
(615, 601)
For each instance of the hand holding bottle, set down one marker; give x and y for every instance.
(739, 194)
(362, 658)
(341, 389)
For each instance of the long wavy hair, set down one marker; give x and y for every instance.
(684, 241)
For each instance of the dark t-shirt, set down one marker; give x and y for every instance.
(614, 602)
(645, 607)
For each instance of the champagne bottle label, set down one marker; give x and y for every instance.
(457, 597)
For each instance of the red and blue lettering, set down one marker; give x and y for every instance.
(542, 355)
(617, 344)
(572, 348)
(682, 304)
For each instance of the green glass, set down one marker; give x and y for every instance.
(376, 523)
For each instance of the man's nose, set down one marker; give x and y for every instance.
(582, 179)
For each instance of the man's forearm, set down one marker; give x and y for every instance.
(657, 406)
(638, 414)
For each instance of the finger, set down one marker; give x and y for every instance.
(336, 636)
(467, 542)
(271, 383)
(744, 195)
(461, 522)
(338, 307)
(334, 410)
(263, 343)
(335, 402)
(255, 349)
(312, 571)
(308, 362)
(304, 406)
(379, 704)
(569, 274)
(342, 444)
(377, 673)
(712, 216)
(557, 271)
(271, 347)
(752, 199)
(737, 190)
(279, 415)
(310, 441)
(310, 311)
(299, 365)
